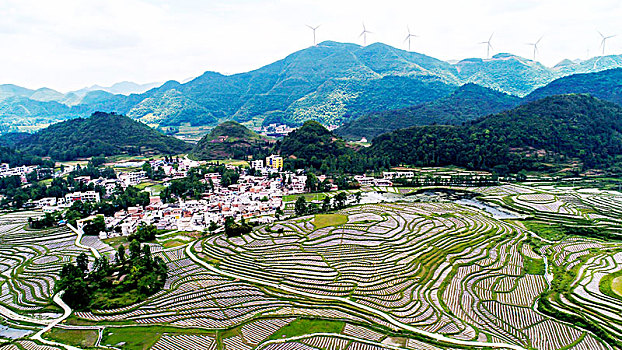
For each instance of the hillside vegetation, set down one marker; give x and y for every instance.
(332, 83)
(101, 134)
(467, 103)
(548, 130)
(230, 140)
(606, 85)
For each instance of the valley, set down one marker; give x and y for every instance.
(431, 274)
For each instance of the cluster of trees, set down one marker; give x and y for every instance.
(49, 220)
(101, 134)
(232, 140)
(127, 280)
(301, 207)
(144, 233)
(95, 226)
(17, 158)
(313, 184)
(233, 229)
(153, 174)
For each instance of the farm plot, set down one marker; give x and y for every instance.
(439, 267)
(30, 262)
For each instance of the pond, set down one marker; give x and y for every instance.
(13, 333)
(496, 212)
(439, 195)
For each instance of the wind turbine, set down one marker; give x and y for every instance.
(313, 29)
(364, 34)
(535, 47)
(409, 36)
(604, 41)
(488, 45)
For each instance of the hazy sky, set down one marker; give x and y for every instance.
(69, 44)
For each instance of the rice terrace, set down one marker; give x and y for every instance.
(520, 267)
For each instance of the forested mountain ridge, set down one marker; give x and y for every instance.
(606, 85)
(552, 129)
(467, 103)
(101, 134)
(332, 83)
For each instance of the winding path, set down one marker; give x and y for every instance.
(378, 313)
(67, 311)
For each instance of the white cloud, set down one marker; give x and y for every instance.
(67, 44)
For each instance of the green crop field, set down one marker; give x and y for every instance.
(541, 272)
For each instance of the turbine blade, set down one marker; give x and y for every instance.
(601, 34)
(537, 42)
(489, 39)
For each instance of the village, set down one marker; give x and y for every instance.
(256, 197)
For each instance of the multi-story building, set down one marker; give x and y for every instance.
(274, 162)
(257, 164)
(88, 196)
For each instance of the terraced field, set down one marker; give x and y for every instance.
(401, 275)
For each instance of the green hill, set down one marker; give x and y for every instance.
(312, 144)
(230, 140)
(606, 85)
(101, 134)
(467, 103)
(551, 130)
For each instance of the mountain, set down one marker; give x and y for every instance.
(332, 82)
(592, 65)
(606, 85)
(505, 72)
(551, 130)
(466, 103)
(101, 134)
(122, 88)
(230, 140)
(329, 82)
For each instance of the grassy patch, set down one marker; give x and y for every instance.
(325, 220)
(534, 266)
(611, 285)
(115, 242)
(173, 243)
(303, 326)
(75, 337)
(308, 196)
(552, 232)
(142, 338)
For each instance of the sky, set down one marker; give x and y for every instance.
(70, 44)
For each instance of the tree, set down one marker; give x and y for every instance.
(311, 184)
(120, 255)
(357, 197)
(326, 204)
(300, 207)
(134, 250)
(340, 200)
(213, 226)
(96, 226)
(144, 233)
(82, 263)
